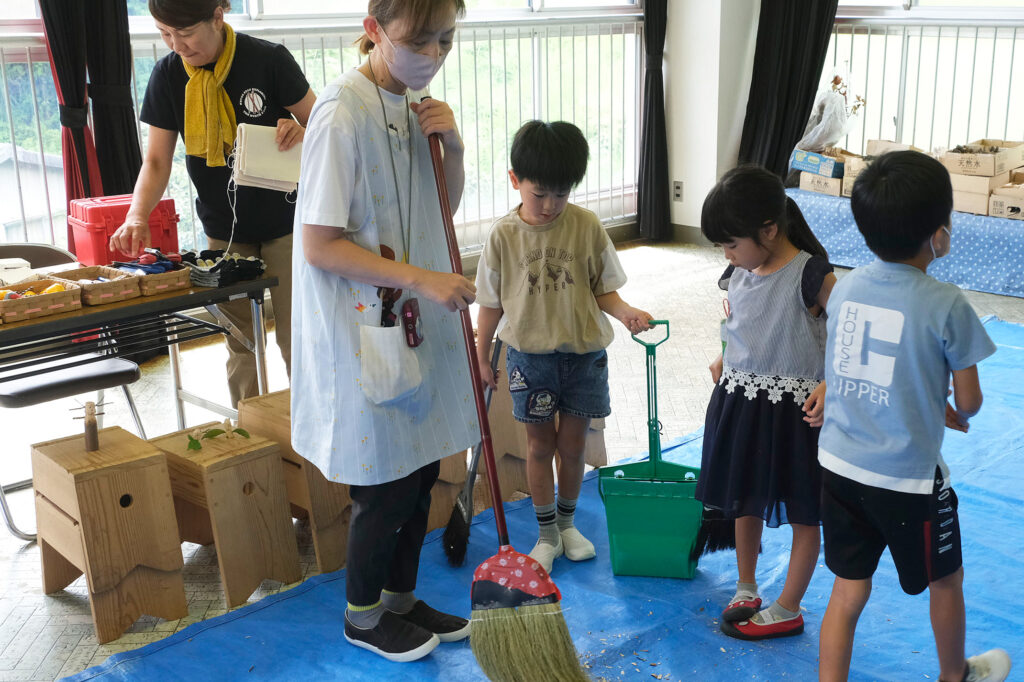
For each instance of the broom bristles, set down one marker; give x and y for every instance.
(455, 539)
(525, 644)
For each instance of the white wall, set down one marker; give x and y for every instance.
(709, 52)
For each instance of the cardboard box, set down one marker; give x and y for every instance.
(979, 160)
(1006, 207)
(978, 184)
(970, 202)
(1013, 187)
(848, 185)
(454, 468)
(829, 166)
(879, 147)
(821, 184)
(852, 167)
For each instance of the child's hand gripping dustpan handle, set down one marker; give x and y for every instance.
(467, 332)
(653, 439)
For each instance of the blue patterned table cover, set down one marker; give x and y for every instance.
(987, 254)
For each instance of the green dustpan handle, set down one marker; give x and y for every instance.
(648, 344)
(653, 437)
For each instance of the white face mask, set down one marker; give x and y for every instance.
(932, 246)
(413, 69)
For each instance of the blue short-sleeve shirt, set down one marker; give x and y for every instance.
(894, 335)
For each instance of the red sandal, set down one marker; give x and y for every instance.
(770, 628)
(741, 609)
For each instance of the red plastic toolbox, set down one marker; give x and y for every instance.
(93, 221)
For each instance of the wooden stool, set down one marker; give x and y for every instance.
(446, 490)
(231, 492)
(109, 514)
(327, 504)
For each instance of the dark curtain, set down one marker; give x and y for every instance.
(792, 38)
(652, 209)
(64, 25)
(110, 75)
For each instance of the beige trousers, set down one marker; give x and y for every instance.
(241, 365)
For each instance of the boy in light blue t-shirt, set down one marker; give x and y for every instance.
(894, 337)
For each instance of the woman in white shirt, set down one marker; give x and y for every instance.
(368, 238)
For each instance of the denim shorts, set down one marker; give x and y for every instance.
(571, 383)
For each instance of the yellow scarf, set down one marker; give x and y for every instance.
(209, 117)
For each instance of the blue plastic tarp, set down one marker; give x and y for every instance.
(628, 628)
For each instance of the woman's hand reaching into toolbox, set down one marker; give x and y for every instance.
(132, 237)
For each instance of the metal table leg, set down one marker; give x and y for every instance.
(175, 358)
(6, 510)
(259, 341)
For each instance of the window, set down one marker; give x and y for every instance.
(974, 5)
(930, 83)
(18, 9)
(140, 8)
(504, 70)
(311, 6)
(473, 7)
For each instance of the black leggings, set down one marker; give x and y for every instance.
(389, 522)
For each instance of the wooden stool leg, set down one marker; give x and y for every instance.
(58, 572)
(144, 590)
(193, 522)
(252, 527)
(330, 542)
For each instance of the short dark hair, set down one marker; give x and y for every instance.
(748, 198)
(184, 13)
(552, 155)
(899, 201)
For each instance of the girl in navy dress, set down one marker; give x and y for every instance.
(760, 457)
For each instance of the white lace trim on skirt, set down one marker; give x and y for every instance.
(776, 386)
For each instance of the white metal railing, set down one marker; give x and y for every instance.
(931, 84)
(585, 69)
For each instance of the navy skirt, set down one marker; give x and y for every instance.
(760, 459)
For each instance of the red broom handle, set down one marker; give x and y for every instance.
(467, 332)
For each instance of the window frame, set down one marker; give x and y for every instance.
(913, 13)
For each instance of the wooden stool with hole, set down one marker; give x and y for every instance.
(231, 492)
(107, 512)
(326, 504)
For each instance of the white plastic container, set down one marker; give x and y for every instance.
(14, 270)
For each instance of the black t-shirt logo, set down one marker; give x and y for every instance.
(253, 102)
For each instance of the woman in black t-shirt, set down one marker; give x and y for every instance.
(264, 86)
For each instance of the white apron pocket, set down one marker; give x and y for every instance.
(390, 369)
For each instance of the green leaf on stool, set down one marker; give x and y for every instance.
(194, 444)
(213, 433)
(242, 432)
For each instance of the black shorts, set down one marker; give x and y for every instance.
(921, 531)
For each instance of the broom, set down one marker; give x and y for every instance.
(456, 534)
(519, 634)
(716, 533)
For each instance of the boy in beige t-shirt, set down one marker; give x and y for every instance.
(548, 273)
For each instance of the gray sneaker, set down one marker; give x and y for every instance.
(991, 666)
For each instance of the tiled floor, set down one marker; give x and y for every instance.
(46, 637)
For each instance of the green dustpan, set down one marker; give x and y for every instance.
(653, 518)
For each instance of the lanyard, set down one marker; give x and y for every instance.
(404, 223)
